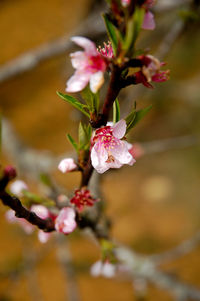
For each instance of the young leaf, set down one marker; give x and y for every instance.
(116, 111)
(136, 117)
(74, 102)
(133, 28)
(82, 134)
(91, 99)
(73, 142)
(112, 33)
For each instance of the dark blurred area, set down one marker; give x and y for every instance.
(154, 205)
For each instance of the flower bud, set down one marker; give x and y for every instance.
(67, 165)
(65, 221)
(17, 188)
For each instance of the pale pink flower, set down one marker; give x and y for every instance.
(125, 3)
(89, 65)
(65, 221)
(105, 269)
(43, 236)
(11, 218)
(40, 210)
(148, 22)
(67, 165)
(17, 187)
(108, 150)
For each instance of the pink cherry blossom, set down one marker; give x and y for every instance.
(105, 269)
(89, 65)
(17, 187)
(67, 165)
(43, 236)
(150, 71)
(108, 150)
(65, 221)
(148, 22)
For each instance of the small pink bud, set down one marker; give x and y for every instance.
(43, 236)
(10, 172)
(67, 165)
(105, 269)
(65, 221)
(125, 3)
(40, 210)
(17, 187)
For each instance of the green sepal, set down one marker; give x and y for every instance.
(116, 111)
(135, 116)
(74, 102)
(72, 141)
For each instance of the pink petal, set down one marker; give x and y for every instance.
(96, 81)
(78, 82)
(98, 157)
(79, 60)
(148, 22)
(67, 165)
(85, 43)
(122, 154)
(119, 129)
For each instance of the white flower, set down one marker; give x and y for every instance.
(67, 165)
(105, 269)
(17, 187)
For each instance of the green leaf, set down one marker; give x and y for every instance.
(32, 198)
(133, 29)
(73, 142)
(91, 99)
(135, 116)
(74, 102)
(116, 111)
(112, 33)
(85, 132)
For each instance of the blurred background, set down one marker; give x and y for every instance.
(155, 205)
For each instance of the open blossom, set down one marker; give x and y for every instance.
(82, 197)
(148, 22)
(89, 65)
(108, 150)
(17, 187)
(105, 269)
(65, 221)
(67, 165)
(150, 71)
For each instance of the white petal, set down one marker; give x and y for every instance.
(119, 129)
(96, 269)
(99, 157)
(79, 60)
(96, 81)
(77, 82)
(108, 270)
(43, 236)
(88, 45)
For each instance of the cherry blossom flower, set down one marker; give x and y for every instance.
(89, 65)
(43, 236)
(108, 150)
(17, 187)
(65, 221)
(150, 71)
(67, 165)
(148, 22)
(105, 269)
(82, 197)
